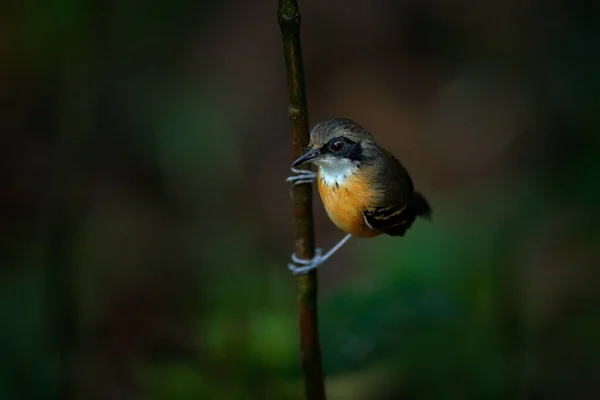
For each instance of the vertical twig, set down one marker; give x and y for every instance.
(304, 240)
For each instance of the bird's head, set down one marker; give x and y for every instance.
(336, 143)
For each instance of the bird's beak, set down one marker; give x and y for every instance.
(308, 155)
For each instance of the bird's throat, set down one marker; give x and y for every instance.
(337, 174)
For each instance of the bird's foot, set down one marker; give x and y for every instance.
(317, 260)
(307, 265)
(302, 176)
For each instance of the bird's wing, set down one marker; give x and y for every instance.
(393, 220)
(398, 205)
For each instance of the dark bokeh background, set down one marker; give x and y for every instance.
(146, 225)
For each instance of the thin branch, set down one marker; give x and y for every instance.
(304, 239)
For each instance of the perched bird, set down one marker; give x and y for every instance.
(365, 190)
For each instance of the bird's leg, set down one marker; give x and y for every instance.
(302, 176)
(317, 260)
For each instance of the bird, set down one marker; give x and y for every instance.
(365, 190)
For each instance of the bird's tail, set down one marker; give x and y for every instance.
(419, 206)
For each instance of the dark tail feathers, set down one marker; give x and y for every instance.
(419, 206)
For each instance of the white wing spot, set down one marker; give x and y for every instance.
(367, 222)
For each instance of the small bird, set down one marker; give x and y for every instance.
(365, 190)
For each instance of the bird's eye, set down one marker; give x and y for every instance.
(337, 145)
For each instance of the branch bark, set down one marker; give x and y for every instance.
(304, 238)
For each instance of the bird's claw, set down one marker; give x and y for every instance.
(318, 259)
(303, 261)
(302, 176)
(307, 265)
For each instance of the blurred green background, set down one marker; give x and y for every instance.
(146, 224)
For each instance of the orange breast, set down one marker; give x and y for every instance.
(345, 204)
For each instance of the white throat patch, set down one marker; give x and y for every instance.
(336, 171)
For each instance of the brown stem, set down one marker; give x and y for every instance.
(304, 238)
